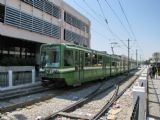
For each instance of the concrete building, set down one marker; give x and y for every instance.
(25, 25)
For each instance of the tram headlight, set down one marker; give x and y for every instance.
(41, 70)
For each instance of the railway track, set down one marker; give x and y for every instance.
(22, 92)
(72, 112)
(58, 103)
(47, 93)
(118, 93)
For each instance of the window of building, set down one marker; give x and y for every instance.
(45, 6)
(74, 37)
(70, 19)
(26, 21)
(2, 11)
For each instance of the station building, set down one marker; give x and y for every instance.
(25, 25)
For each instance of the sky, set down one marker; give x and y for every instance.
(142, 28)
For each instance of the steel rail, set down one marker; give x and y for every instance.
(85, 100)
(110, 103)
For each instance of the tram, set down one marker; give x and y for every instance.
(73, 65)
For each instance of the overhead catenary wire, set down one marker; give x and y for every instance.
(108, 27)
(106, 21)
(118, 18)
(94, 12)
(103, 18)
(92, 9)
(129, 25)
(99, 22)
(110, 30)
(87, 12)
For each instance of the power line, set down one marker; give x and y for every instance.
(92, 9)
(127, 19)
(104, 18)
(117, 17)
(102, 12)
(87, 12)
(106, 21)
(129, 25)
(94, 19)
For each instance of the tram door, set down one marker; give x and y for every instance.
(79, 65)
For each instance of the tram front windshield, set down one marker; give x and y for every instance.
(50, 56)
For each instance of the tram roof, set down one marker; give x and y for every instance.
(77, 47)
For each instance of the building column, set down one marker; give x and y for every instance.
(33, 76)
(10, 76)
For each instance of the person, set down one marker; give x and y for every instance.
(149, 71)
(154, 71)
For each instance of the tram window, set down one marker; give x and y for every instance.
(76, 58)
(100, 61)
(68, 58)
(87, 59)
(94, 59)
(113, 63)
(104, 61)
(118, 64)
(108, 61)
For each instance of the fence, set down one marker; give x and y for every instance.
(14, 77)
(135, 112)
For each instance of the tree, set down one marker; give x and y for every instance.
(156, 57)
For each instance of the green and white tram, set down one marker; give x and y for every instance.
(72, 65)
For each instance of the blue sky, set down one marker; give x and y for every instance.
(143, 16)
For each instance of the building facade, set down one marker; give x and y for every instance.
(26, 24)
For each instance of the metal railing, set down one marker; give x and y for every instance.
(14, 77)
(4, 82)
(135, 112)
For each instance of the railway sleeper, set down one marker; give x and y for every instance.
(73, 116)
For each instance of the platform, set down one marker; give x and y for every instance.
(153, 102)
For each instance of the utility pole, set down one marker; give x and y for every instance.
(128, 55)
(140, 60)
(137, 57)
